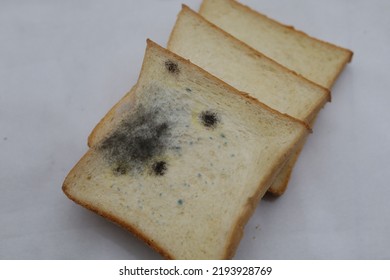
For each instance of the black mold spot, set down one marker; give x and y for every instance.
(172, 67)
(121, 169)
(138, 139)
(188, 90)
(180, 202)
(209, 119)
(159, 168)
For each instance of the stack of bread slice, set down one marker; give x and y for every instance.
(214, 122)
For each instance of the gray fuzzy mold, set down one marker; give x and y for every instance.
(139, 139)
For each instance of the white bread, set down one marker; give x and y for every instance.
(316, 60)
(188, 161)
(239, 65)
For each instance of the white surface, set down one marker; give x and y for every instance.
(63, 64)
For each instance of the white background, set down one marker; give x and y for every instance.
(63, 64)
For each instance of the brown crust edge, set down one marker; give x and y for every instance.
(340, 69)
(290, 164)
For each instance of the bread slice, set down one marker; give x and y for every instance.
(247, 70)
(186, 165)
(316, 60)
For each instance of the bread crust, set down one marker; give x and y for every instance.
(288, 166)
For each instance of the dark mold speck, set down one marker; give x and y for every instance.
(172, 67)
(188, 90)
(180, 202)
(121, 169)
(209, 119)
(159, 168)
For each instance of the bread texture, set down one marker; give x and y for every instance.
(188, 161)
(248, 70)
(318, 61)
